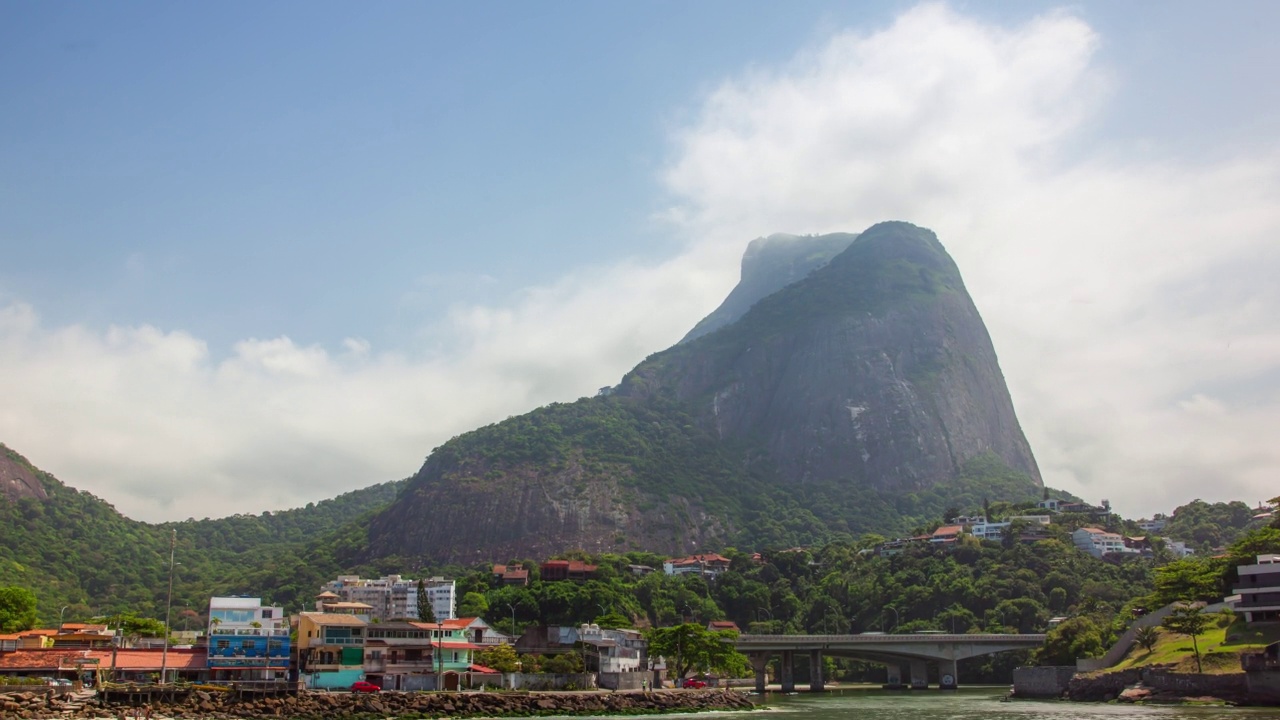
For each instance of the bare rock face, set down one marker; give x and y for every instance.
(17, 478)
(770, 264)
(865, 381)
(876, 371)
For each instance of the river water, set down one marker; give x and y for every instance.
(980, 704)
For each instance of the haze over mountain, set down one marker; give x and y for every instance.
(855, 397)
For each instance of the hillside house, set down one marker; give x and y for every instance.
(515, 575)
(709, 565)
(1098, 542)
(556, 570)
(1259, 589)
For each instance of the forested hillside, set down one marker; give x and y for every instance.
(75, 550)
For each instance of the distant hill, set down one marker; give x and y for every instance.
(860, 397)
(75, 550)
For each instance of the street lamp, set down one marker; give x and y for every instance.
(766, 612)
(513, 620)
(439, 654)
(64, 609)
(164, 655)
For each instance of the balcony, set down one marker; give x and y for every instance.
(340, 641)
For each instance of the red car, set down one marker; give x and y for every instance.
(693, 684)
(364, 686)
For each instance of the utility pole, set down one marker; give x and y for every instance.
(164, 654)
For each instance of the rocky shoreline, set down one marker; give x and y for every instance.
(308, 705)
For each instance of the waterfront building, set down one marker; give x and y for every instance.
(1259, 589)
(247, 640)
(331, 648)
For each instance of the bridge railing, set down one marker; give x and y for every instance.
(891, 638)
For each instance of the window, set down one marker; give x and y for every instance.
(224, 644)
(247, 644)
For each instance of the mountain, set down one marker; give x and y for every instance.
(770, 264)
(859, 397)
(75, 550)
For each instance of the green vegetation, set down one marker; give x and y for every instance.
(1189, 621)
(1205, 526)
(691, 647)
(17, 609)
(842, 587)
(1220, 646)
(74, 550)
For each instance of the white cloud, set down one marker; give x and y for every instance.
(1132, 303)
(1119, 292)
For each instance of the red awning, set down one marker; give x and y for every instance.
(483, 669)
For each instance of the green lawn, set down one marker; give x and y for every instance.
(1220, 648)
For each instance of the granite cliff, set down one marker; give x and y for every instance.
(847, 385)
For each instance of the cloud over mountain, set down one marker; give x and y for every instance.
(1131, 300)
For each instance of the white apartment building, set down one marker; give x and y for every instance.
(443, 595)
(1153, 526)
(234, 614)
(1098, 542)
(1259, 589)
(995, 530)
(393, 597)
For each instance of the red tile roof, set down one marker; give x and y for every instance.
(50, 659)
(708, 558)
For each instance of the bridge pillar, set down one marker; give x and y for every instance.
(948, 679)
(816, 683)
(760, 663)
(896, 673)
(786, 671)
(919, 675)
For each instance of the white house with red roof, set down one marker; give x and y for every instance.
(706, 564)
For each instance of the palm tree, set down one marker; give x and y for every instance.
(1147, 636)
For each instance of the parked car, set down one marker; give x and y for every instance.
(364, 686)
(693, 684)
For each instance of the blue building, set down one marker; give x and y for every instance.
(246, 640)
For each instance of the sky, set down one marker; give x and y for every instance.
(254, 255)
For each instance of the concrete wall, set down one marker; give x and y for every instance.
(1125, 641)
(550, 681)
(1042, 682)
(621, 680)
(1263, 686)
(336, 680)
(1223, 686)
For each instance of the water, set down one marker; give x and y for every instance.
(980, 704)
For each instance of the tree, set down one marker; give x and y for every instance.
(17, 609)
(1147, 636)
(1188, 620)
(692, 646)
(133, 626)
(502, 658)
(1079, 637)
(473, 605)
(564, 663)
(425, 611)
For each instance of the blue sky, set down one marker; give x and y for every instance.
(289, 248)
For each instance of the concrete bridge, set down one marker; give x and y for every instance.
(907, 656)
